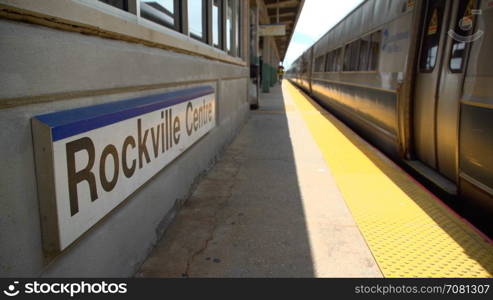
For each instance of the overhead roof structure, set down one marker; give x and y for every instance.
(284, 12)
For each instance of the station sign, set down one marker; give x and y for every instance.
(272, 30)
(91, 159)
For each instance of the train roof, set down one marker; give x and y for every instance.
(368, 16)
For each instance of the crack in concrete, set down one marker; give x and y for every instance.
(223, 205)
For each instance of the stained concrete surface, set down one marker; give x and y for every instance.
(269, 208)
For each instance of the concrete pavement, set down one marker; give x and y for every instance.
(268, 208)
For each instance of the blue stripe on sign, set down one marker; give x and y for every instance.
(68, 123)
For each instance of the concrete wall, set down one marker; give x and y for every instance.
(44, 70)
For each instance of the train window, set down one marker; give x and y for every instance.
(464, 26)
(328, 61)
(336, 63)
(121, 4)
(355, 56)
(347, 58)
(351, 56)
(432, 32)
(375, 41)
(332, 63)
(304, 66)
(164, 12)
(364, 53)
(319, 63)
(457, 57)
(217, 21)
(196, 19)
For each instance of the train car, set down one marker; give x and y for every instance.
(415, 79)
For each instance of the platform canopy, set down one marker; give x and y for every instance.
(284, 12)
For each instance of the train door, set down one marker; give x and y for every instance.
(439, 83)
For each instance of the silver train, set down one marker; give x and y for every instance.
(415, 78)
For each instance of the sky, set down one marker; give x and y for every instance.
(317, 17)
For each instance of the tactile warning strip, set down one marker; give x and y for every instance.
(410, 233)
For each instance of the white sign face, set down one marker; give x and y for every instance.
(106, 153)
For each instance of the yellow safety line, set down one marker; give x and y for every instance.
(410, 233)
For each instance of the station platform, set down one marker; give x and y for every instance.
(298, 194)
